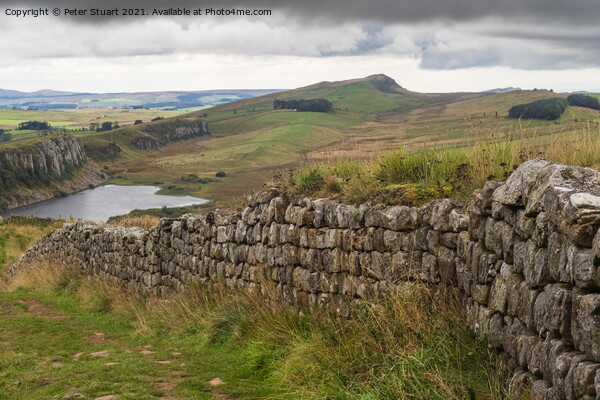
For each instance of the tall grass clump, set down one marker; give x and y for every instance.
(407, 348)
(415, 176)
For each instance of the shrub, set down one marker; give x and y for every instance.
(221, 174)
(138, 122)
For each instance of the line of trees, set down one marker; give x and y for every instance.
(34, 126)
(106, 126)
(315, 105)
(583, 100)
(548, 109)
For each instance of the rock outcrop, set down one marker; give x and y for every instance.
(524, 257)
(178, 129)
(38, 171)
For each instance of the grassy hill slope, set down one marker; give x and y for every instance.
(251, 142)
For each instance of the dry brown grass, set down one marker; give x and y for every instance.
(142, 221)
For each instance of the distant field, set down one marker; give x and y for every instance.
(82, 118)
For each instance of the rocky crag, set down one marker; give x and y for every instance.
(42, 169)
(178, 129)
(523, 255)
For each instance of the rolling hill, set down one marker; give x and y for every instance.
(251, 142)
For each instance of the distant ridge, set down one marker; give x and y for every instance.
(48, 99)
(16, 94)
(502, 90)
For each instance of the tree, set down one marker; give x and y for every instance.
(315, 105)
(582, 100)
(34, 126)
(548, 109)
(138, 122)
(106, 126)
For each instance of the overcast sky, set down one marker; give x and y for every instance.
(425, 45)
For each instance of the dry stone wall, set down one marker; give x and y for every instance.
(523, 255)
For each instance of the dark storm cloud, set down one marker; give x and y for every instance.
(379, 11)
(442, 34)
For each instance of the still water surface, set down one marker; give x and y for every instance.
(103, 202)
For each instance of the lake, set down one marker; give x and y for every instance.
(103, 202)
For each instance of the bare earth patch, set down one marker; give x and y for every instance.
(41, 310)
(99, 338)
(215, 392)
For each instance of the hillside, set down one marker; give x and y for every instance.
(252, 143)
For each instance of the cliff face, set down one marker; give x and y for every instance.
(41, 170)
(179, 129)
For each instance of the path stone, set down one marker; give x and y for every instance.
(73, 393)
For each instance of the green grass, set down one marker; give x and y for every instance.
(54, 319)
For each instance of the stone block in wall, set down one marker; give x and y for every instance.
(421, 238)
(324, 213)
(429, 268)
(397, 218)
(447, 266)
(262, 197)
(481, 293)
(373, 217)
(586, 323)
(458, 220)
(580, 379)
(500, 212)
(310, 259)
(557, 258)
(275, 212)
(481, 200)
(403, 268)
(524, 346)
(492, 239)
(526, 303)
(522, 183)
(514, 283)
(440, 213)
(552, 311)
(519, 384)
(495, 331)
(534, 264)
(579, 263)
(487, 268)
(433, 241)
(464, 245)
(331, 259)
(380, 266)
(524, 225)
(449, 239)
(539, 389)
(241, 232)
(498, 296)
(353, 266)
(542, 230)
(464, 276)
(391, 240)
